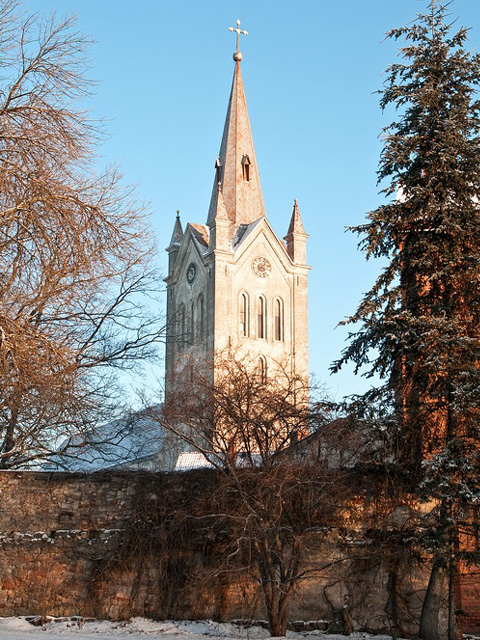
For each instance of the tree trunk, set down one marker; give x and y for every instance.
(277, 622)
(433, 619)
(453, 633)
(276, 604)
(277, 610)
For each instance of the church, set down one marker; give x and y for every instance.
(234, 288)
(232, 282)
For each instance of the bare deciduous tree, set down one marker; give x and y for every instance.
(75, 250)
(275, 498)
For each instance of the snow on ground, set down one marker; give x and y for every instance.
(143, 629)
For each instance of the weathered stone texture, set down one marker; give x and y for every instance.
(52, 527)
(71, 544)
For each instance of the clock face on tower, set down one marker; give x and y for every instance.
(261, 267)
(191, 272)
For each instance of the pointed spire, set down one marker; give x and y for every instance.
(221, 210)
(296, 237)
(220, 227)
(177, 235)
(296, 224)
(175, 242)
(236, 167)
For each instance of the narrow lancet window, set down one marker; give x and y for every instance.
(192, 323)
(246, 168)
(278, 315)
(200, 317)
(181, 326)
(243, 315)
(262, 370)
(261, 318)
(218, 172)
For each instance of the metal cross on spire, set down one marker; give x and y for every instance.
(238, 31)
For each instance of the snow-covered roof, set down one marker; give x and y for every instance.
(243, 231)
(188, 460)
(201, 234)
(132, 442)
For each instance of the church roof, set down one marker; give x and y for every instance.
(189, 460)
(236, 166)
(200, 233)
(132, 442)
(243, 231)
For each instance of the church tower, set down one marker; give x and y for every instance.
(232, 283)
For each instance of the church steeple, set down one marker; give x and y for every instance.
(236, 166)
(233, 284)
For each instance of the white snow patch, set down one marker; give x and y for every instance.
(141, 629)
(14, 624)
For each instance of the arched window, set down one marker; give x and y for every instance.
(192, 324)
(261, 317)
(246, 168)
(262, 370)
(200, 317)
(243, 315)
(181, 325)
(278, 318)
(218, 171)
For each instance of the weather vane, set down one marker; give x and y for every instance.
(237, 56)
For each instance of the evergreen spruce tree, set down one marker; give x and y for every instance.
(418, 328)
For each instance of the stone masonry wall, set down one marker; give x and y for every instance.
(70, 545)
(52, 527)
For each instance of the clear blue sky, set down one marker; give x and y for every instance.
(310, 70)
